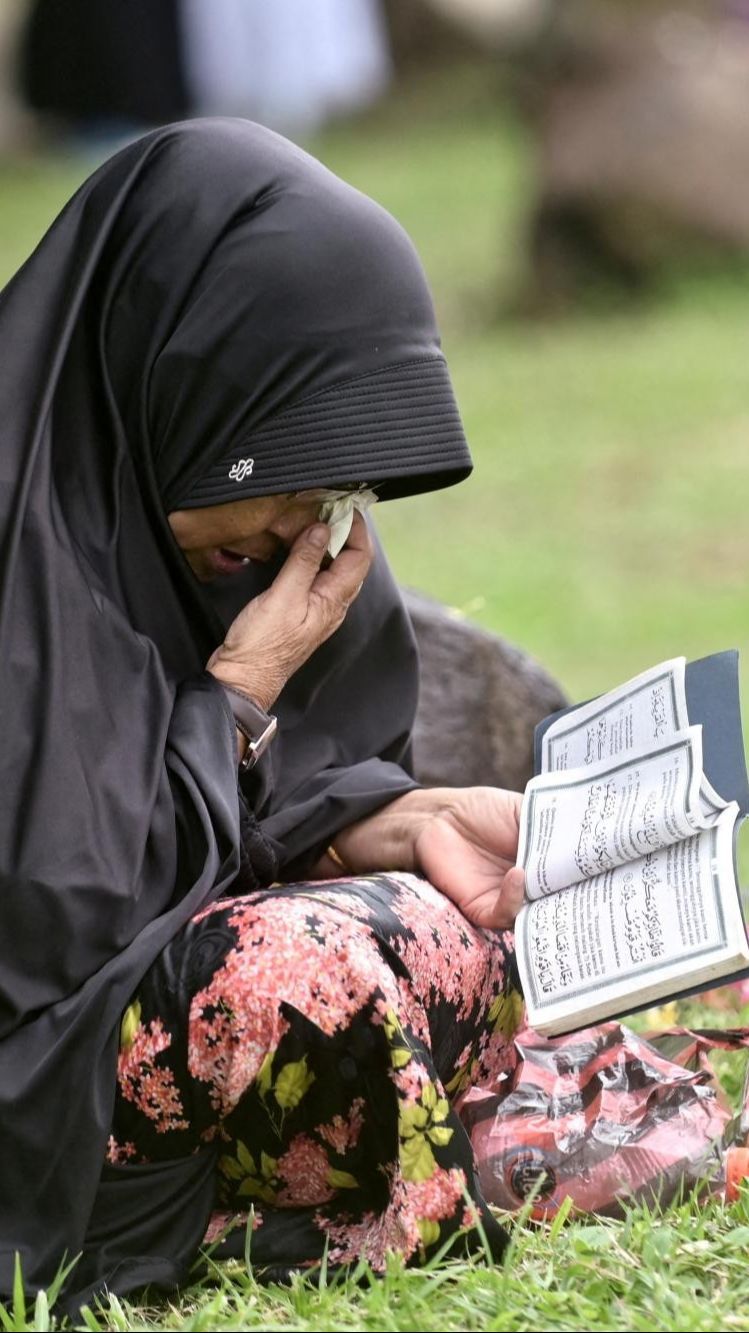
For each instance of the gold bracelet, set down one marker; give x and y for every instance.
(338, 859)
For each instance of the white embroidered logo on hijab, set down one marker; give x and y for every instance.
(241, 469)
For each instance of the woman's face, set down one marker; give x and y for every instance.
(222, 539)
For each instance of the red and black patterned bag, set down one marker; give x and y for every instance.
(605, 1116)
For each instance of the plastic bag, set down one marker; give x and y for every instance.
(603, 1117)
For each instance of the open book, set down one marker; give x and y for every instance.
(628, 842)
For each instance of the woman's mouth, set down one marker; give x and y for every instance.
(225, 561)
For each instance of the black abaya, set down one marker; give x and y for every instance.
(210, 290)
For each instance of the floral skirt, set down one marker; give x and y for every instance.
(322, 1035)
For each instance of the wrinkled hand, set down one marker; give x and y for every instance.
(469, 850)
(277, 631)
(464, 840)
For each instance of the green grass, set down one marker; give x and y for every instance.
(604, 529)
(685, 1269)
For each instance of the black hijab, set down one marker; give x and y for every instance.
(210, 293)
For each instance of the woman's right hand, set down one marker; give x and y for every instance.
(277, 631)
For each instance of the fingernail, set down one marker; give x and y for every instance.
(319, 535)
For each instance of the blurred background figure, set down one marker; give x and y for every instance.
(111, 70)
(290, 65)
(15, 123)
(640, 112)
(103, 71)
(643, 120)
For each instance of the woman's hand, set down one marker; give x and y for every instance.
(464, 840)
(469, 851)
(276, 632)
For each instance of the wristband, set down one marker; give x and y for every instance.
(257, 726)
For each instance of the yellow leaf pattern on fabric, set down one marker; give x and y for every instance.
(264, 1074)
(229, 1166)
(420, 1122)
(400, 1051)
(129, 1025)
(429, 1096)
(464, 1076)
(399, 1056)
(245, 1158)
(254, 1184)
(255, 1189)
(292, 1083)
(392, 1025)
(268, 1165)
(342, 1180)
(506, 1013)
(428, 1230)
(413, 1119)
(417, 1158)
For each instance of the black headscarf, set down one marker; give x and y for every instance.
(211, 291)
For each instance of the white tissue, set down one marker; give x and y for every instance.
(338, 510)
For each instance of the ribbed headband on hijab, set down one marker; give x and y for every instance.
(400, 424)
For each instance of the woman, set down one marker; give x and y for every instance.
(213, 331)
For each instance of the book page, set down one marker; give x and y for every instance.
(642, 713)
(634, 933)
(711, 802)
(576, 825)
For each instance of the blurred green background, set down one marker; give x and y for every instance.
(604, 526)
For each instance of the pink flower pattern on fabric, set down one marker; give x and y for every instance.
(343, 1132)
(120, 1153)
(328, 975)
(443, 952)
(400, 1228)
(149, 1086)
(326, 1050)
(304, 1169)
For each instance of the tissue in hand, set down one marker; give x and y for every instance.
(338, 510)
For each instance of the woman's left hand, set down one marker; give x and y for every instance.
(463, 840)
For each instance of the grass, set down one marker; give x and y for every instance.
(684, 1269)
(603, 530)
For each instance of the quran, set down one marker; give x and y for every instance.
(628, 837)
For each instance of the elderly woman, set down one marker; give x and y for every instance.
(246, 965)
